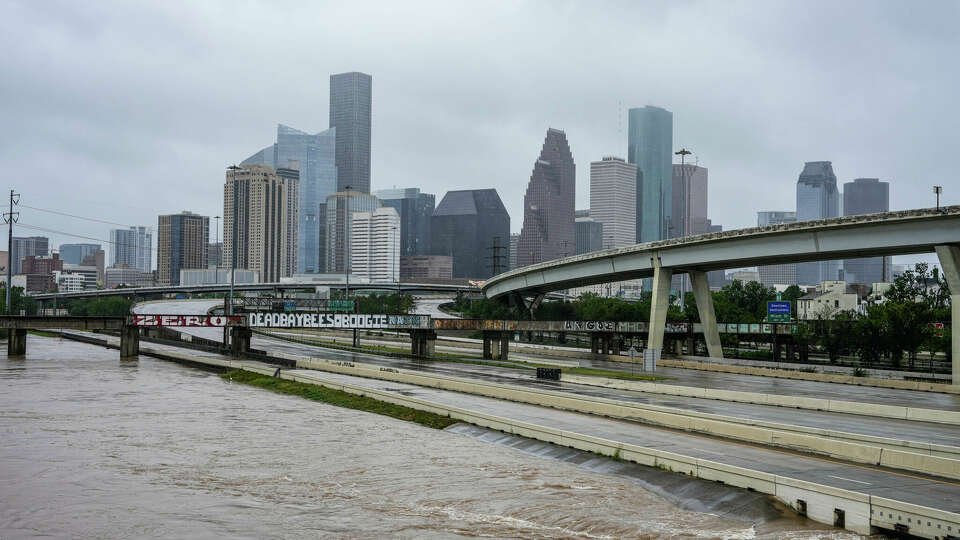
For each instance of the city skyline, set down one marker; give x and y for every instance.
(753, 146)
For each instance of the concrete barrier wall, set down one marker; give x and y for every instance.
(820, 499)
(853, 447)
(817, 404)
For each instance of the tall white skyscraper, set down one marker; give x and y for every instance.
(613, 200)
(132, 247)
(375, 244)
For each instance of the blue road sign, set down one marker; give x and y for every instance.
(778, 311)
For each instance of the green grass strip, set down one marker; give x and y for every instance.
(339, 398)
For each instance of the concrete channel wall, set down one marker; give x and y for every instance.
(937, 460)
(817, 404)
(862, 512)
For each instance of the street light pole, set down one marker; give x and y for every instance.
(217, 242)
(936, 189)
(683, 153)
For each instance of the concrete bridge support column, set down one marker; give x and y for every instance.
(492, 345)
(16, 342)
(129, 341)
(950, 262)
(595, 343)
(504, 345)
(708, 317)
(658, 306)
(422, 343)
(240, 340)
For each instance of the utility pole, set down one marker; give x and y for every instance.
(10, 218)
(938, 190)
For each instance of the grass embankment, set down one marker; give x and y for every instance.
(339, 398)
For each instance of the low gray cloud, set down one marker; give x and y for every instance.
(123, 111)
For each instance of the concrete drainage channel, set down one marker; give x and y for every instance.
(855, 511)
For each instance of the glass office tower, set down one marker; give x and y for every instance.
(314, 155)
(650, 148)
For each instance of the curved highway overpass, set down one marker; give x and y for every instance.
(889, 233)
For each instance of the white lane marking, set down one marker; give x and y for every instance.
(849, 479)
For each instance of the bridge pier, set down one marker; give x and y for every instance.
(659, 305)
(950, 262)
(129, 341)
(423, 343)
(240, 340)
(708, 317)
(16, 342)
(496, 345)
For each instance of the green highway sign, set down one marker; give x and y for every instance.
(340, 305)
(778, 312)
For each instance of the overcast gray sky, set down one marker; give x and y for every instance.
(126, 110)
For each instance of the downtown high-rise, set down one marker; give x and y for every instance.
(182, 244)
(817, 198)
(473, 227)
(777, 274)
(415, 210)
(866, 196)
(338, 212)
(132, 248)
(314, 155)
(22, 247)
(351, 106)
(613, 200)
(260, 211)
(548, 205)
(375, 244)
(689, 190)
(650, 148)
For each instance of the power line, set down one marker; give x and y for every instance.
(44, 229)
(76, 216)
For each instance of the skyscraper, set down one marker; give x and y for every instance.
(181, 245)
(588, 233)
(466, 225)
(315, 157)
(866, 196)
(613, 200)
(777, 274)
(375, 244)
(75, 253)
(339, 210)
(132, 247)
(38, 246)
(351, 104)
(817, 198)
(260, 204)
(650, 148)
(689, 200)
(548, 206)
(415, 210)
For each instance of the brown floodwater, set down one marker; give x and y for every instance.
(95, 447)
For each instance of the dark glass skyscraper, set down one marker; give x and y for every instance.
(416, 210)
(650, 148)
(548, 206)
(466, 225)
(866, 196)
(817, 198)
(75, 253)
(351, 104)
